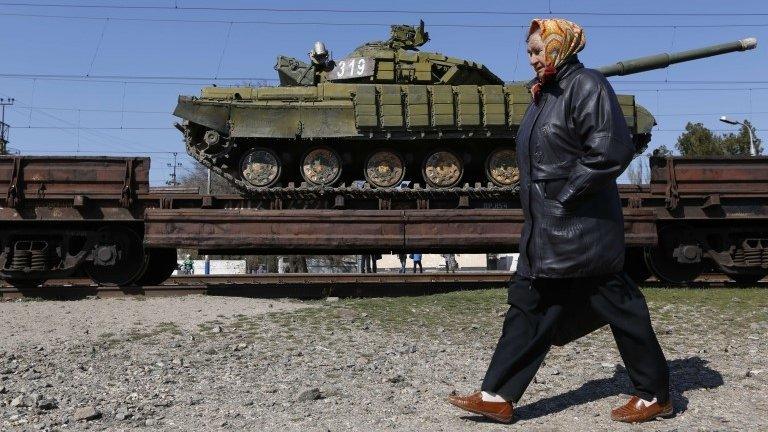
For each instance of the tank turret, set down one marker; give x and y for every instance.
(386, 113)
(403, 36)
(396, 60)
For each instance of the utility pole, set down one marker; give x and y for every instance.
(4, 128)
(174, 165)
(208, 257)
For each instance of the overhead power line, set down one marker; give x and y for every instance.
(170, 114)
(105, 110)
(208, 79)
(168, 128)
(104, 138)
(370, 24)
(90, 80)
(373, 11)
(719, 113)
(96, 128)
(122, 78)
(702, 89)
(48, 153)
(689, 82)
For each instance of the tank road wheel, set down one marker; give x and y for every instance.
(442, 169)
(260, 167)
(118, 257)
(501, 167)
(678, 258)
(321, 166)
(384, 168)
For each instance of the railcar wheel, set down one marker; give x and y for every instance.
(160, 265)
(442, 169)
(118, 257)
(384, 168)
(746, 279)
(676, 243)
(321, 166)
(260, 167)
(501, 167)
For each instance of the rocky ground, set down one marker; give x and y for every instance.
(224, 363)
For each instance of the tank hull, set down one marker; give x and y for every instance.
(465, 124)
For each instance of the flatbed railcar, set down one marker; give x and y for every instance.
(68, 216)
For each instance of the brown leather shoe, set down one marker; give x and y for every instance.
(474, 403)
(635, 411)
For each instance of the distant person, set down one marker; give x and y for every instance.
(450, 263)
(368, 264)
(416, 257)
(403, 261)
(188, 266)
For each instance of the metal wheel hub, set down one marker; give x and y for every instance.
(501, 167)
(384, 169)
(211, 138)
(260, 167)
(105, 255)
(321, 166)
(675, 260)
(443, 169)
(118, 257)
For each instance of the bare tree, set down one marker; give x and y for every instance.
(197, 177)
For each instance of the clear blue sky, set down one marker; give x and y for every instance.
(116, 45)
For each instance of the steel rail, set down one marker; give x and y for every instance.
(306, 285)
(311, 285)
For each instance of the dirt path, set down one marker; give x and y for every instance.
(217, 363)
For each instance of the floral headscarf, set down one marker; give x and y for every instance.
(562, 39)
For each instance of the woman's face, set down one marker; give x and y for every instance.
(536, 53)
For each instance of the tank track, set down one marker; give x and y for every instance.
(306, 192)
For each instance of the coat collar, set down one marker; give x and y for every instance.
(571, 65)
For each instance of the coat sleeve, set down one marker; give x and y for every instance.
(599, 123)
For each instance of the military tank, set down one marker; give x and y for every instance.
(385, 116)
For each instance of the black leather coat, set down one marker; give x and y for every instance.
(571, 146)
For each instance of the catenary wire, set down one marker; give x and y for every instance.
(370, 24)
(374, 11)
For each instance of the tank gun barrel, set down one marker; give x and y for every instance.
(660, 61)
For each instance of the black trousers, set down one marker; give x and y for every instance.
(418, 263)
(540, 308)
(369, 264)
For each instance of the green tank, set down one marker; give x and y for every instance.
(385, 113)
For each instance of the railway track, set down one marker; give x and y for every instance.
(304, 285)
(308, 285)
(707, 281)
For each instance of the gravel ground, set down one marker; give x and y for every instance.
(224, 363)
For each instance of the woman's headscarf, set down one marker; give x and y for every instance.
(562, 39)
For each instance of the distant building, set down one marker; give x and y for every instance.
(507, 262)
(434, 262)
(217, 267)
